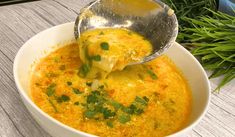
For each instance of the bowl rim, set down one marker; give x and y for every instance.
(29, 101)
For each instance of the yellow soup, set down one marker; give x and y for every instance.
(148, 100)
(110, 49)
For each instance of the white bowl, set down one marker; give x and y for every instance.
(47, 40)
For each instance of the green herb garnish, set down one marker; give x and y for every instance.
(89, 114)
(50, 89)
(115, 104)
(65, 98)
(89, 84)
(141, 100)
(99, 106)
(104, 46)
(96, 58)
(77, 91)
(107, 113)
(124, 118)
(152, 74)
(76, 103)
(69, 83)
(92, 99)
(146, 99)
(101, 87)
(110, 124)
(53, 105)
(84, 70)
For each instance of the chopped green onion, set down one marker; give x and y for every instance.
(140, 100)
(53, 105)
(146, 99)
(65, 98)
(124, 118)
(96, 58)
(104, 46)
(69, 83)
(76, 91)
(89, 84)
(152, 74)
(89, 114)
(76, 103)
(110, 124)
(84, 69)
(51, 89)
(116, 104)
(92, 99)
(107, 113)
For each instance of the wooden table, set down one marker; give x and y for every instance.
(20, 22)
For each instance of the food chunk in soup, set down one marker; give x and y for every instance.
(110, 49)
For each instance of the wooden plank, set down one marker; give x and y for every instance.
(7, 128)
(212, 126)
(74, 5)
(12, 104)
(21, 22)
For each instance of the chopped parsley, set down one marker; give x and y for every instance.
(76, 103)
(69, 83)
(152, 74)
(89, 114)
(141, 100)
(53, 105)
(96, 58)
(110, 124)
(146, 99)
(76, 91)
(107, 113)
(99, 106)
(104, 46)
(101, 87)
(50, 89)
(124, 118)
(116, 104)
(84, 69)
(89, 84)
(63, 98)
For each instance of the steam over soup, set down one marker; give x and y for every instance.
(147, 100)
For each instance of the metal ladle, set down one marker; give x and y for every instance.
(152, 19)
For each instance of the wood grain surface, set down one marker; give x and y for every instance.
(20, 22)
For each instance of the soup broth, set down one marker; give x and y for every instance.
(59, 91)
(146, 100)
